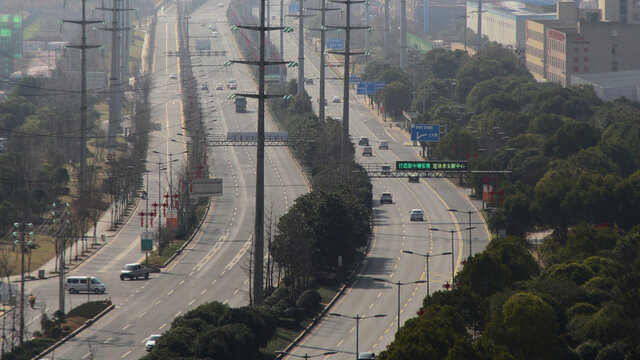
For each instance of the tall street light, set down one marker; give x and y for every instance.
(22, 230)
(170, 172)
(357, 318)
(452, 231)
(305, 356)
(469, 212)
(428, 256)
(399, 283)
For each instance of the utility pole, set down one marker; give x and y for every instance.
(21, 233)
(280, 67)
(83, 98)
(300, 17)
(347, 53)
(386, 29)
(403, 35)
(323, 42)
(115, 80)
(63, 235)
(258, 253)
(479, 25)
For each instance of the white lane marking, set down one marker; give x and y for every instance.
(163, 325)
(125, 354)
(125, 327)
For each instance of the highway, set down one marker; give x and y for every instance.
(213, 266)
(394, 232)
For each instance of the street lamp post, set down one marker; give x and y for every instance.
(428, 256)
(469, 212)
(305, 356)
(453, 270)
(357, 318)
(399, 283)
(170, 172)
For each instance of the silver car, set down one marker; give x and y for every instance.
(416, 215)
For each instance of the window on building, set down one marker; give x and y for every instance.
(576, 59)
(613, 50)
(614, 66)
(576, 68)
(585, 59)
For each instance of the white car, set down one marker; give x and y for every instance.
(220, 5)
(416, 215)
(214, 34)
(335, 99)
(151, 341)
(173, 76)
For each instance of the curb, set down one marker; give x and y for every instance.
(324, 311)
(78, 330)
(193, 235)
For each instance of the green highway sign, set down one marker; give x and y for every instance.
(436, 165)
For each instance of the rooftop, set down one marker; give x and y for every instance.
(613, 79)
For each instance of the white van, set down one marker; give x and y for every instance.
(76, 284)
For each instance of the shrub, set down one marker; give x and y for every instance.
(294, 313)
(309, 301)
(277, 296)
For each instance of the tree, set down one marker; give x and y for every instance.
(527, 327)
(397, 97)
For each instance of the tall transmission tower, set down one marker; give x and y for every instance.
(300, 17)
(83, 97)
(323, 40)
(347, 53)
(115, 80)
(258, 244)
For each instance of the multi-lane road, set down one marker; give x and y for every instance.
(212, 268)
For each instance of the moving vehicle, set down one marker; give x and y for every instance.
(366, 151)
(308, 81)
(367, 356)
(76, 284)
(232, 84)
(241, 104)
(386, 170)
(134, 271)
(363, 141)
(414, 178)
(173, 76)
(151, 341)
(220, 5)
(384, 145)
(214, 34)
(386, 197)
(205, 86)
(219, 86)
(335, 99)
(416, 215)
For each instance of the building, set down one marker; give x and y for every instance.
(505, 22)
(10, 42)
(584, 40)
(612, 85)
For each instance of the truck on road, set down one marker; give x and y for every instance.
(241, 104)
(134, 271)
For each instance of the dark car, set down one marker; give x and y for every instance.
(414, 178)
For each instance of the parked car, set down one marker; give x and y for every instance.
(384, 145)
(414, 178)
(386, 197)
(416, 215)
(366, 151)
(151, 341)
(363, 141)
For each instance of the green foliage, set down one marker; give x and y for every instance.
(309, 301)
(89, 309)
(213, 330)
(526, 326)
(29, 350)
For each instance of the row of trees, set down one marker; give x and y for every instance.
(577, 300)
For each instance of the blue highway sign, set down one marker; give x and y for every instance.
(425, 132)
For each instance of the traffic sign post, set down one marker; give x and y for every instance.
(366, 88)
(425, 132)
(436, 165)
(379, 85)
(335, 44)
